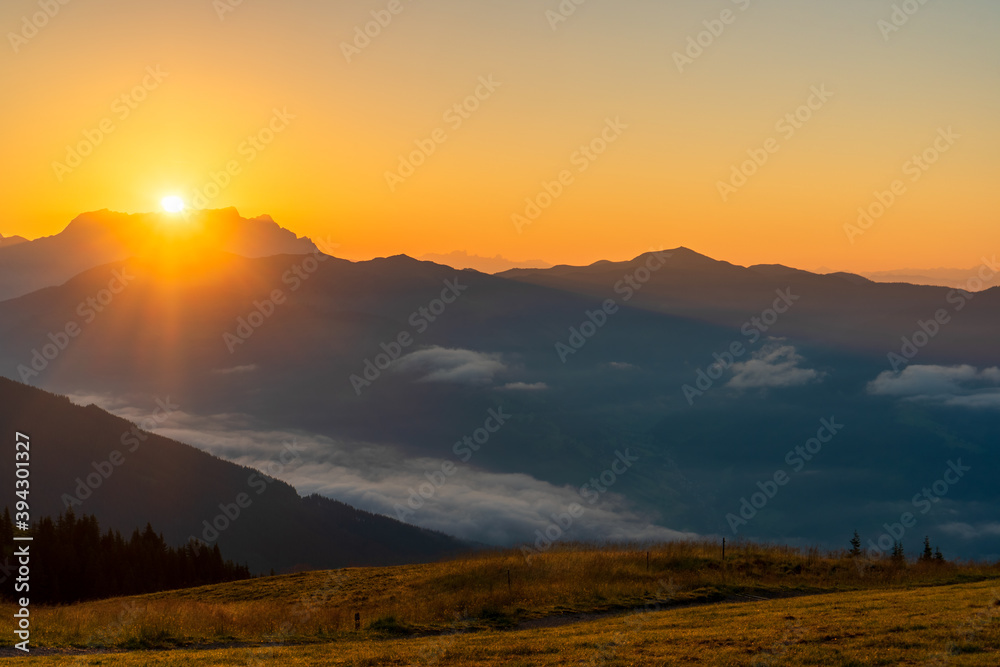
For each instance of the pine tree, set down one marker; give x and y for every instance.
(898, 555)
(6, 528)
(6, 554)
(855, 545)
(928, 554)
(81, 564)
(938, 556)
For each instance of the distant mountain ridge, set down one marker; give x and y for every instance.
(939, 277)
(673, 322)
(463, 260)
(100, 237)
(6, 242)
(841, 309)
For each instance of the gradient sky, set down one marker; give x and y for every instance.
(656, 186)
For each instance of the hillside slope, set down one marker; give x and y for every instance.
(582, 605)
(94, 462)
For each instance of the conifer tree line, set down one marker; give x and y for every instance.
(928, 555)
(72, 561)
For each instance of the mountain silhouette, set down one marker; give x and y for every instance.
(839, 309)
(495, 264)
(281, 342)
(93, 239)
(95, 463)
(6, 242)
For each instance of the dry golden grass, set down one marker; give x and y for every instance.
(422, 599)
(947, 625)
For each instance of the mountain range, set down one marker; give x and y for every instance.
(958, 278)
(100, 237)
(495, 264)
(665, 395)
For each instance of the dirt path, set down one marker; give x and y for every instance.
(569, 619)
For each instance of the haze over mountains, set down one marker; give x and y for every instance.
(88, 461)
(496, 264)
(940, 277)
(657, 393)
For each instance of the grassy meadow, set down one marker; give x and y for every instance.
(577, 603)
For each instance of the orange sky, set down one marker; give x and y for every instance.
(279, 71)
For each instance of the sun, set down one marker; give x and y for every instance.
(172, 204)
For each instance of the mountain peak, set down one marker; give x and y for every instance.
(218, 229)
(101, 237)
(7, 241)
(679, 253)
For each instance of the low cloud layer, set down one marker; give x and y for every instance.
(969, 532)
(473, 504)
(960, 386)
(771, 367)
(439, 364)
(524, 386)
